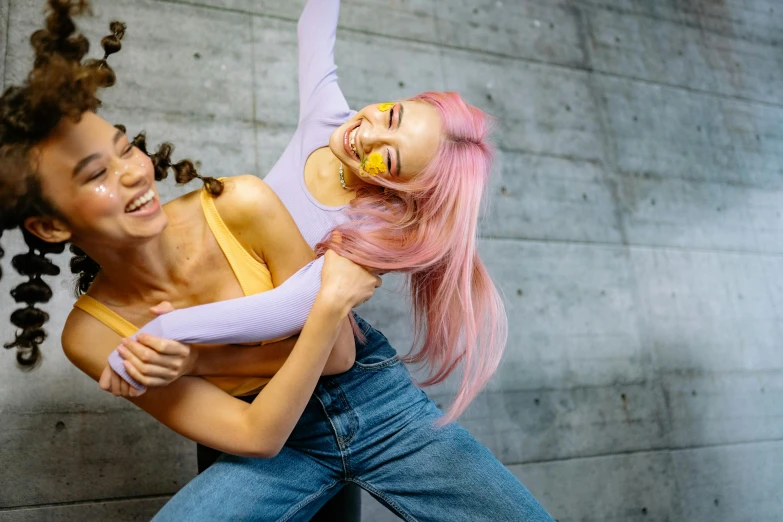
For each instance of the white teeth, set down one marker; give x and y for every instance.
(352, 139)
(140, 201)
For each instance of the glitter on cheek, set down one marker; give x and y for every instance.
(144, 161)
(103, 192)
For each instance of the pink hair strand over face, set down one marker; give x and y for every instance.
(426, 227)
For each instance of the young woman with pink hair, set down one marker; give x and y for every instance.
(416, 212)
(401, 183)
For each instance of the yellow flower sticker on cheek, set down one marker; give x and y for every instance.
(373, 164)
(383, 107)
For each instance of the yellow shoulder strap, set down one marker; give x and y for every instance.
(105, 315)
(253, 276)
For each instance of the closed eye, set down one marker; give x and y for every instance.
(97, 175)
(391, 117)
(388, 159)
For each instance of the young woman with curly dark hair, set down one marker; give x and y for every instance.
(67, 175)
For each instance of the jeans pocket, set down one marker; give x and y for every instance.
(376, 362)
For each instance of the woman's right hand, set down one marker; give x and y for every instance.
(346, 284)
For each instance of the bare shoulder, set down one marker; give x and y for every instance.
(247, 197)
(185, 205)
(251, 209)
(87, 342)
(77, 327)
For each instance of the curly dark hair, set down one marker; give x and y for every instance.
(59, 86)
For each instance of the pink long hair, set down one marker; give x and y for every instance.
(427, 228)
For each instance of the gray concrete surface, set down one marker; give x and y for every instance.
(635, 229)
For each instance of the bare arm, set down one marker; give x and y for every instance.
(200, 411)
(263, 361)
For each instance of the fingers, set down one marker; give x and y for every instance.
(150, 368)
(136, 374)
(115, 384)
(163, 346)
(111, 382)
(105, 381)
(366, 293)
(146, 380)
(348, 281)
(337, 238)
(146, 361)
(143, 355)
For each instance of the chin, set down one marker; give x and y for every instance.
(161, 223)
(154, 228)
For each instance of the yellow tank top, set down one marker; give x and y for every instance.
(253, 277)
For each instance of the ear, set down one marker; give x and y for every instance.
(47, 228)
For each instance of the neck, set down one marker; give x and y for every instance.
(351, 179)
(323, 179)
(146, 271)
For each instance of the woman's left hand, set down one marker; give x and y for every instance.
(114, 384)
(150, 360)
(153, 361)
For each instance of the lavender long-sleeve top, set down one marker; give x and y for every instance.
(280, 312)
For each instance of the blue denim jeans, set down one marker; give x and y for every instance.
(374, 427)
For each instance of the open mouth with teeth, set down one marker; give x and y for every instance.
(142, 202)
(350, 141)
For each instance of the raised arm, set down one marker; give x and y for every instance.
(317, 32)
(202, 412)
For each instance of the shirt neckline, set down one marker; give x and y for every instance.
(303, 185)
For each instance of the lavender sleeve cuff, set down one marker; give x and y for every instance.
(274, 314)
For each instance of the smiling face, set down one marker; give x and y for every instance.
(405, 137)
(101, 185)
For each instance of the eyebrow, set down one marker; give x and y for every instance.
(84, 162)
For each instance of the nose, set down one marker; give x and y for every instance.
(372, 138)
(130, 173)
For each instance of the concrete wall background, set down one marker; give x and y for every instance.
(635, 229)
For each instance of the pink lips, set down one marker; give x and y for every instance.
(347, 141)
